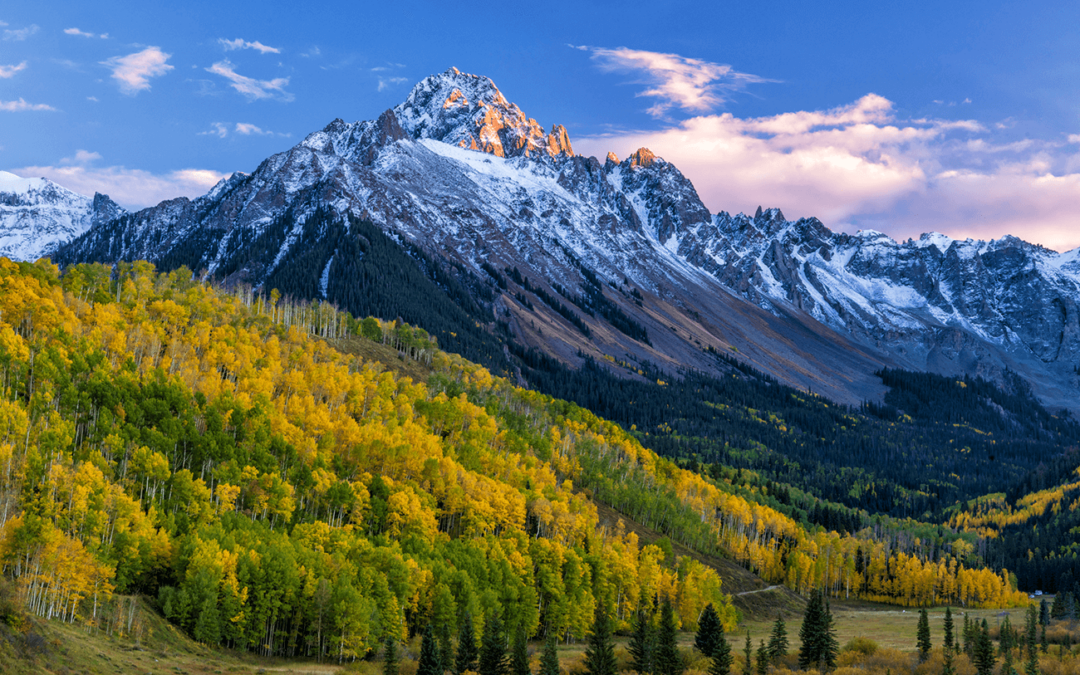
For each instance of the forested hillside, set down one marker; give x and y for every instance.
(216, 452)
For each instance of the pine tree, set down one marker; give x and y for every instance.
(600, 652)
(778, 641)
(466, 647)
(666, 657)
(950, 640)
(641, 644)
(390, 657)
(445, 645)
(722, 658)
(1007, 664)
(1031, 664)
(810, 632)
(969, 635)
(762, 658)
(708, 631)
(947, 667)
(983, 651)
(492, 657)
(1043, 644)
(923, 635)
(748, 654)
(830, 647)
(519, 655)
(549, 661)
(429, 664)
(1044, 612)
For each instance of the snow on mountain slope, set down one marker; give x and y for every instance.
(461, 172)
(37, 215)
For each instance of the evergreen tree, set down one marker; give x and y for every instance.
(1044, 612)
(708, 632)
(830, 647)
(492, 657)
(641, 644)
(810, 632)
(969, 635)
(983, 651)
(666, 657)
(950, 640)
(1031, 664)
(1006, 638)
(549, 661)
(600, 652)
(947, 667)
(390, 657)
(1007, 664)
(923, 635)
(446, 645)
(519, 655)
(762, 658)
(722, 658)
(466, 647)
(1043, 644)
(778, 641)
(429, 662)
(748, 654)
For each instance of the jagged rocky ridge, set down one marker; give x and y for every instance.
(462, 173)
(37, 215)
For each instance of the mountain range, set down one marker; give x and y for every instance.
(544, 251)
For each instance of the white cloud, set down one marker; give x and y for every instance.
(250, 87)
(76, 31)
(21, 33)
(859, 166)
(131, 188)
(387, 82)
(240, 43)
(221, 130)
(134, 71)
(81, 157)
(21, 106)
(217, 129)
(675, 81)
(9, 71)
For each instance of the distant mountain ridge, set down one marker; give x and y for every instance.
(461, 173)
(37, 215)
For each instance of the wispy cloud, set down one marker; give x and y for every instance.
(20, 34)
(240, 43)
(22, 106)
(216, 129)
(387, 82)
(863, 166)
(250, 87)
(221, 130)
(81, 157)
(134, 71)
(131, 188)
(82, 33)
(674, 81)
(9, 71)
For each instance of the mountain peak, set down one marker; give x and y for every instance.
(10, 183)
(642, 157)
(470, 112)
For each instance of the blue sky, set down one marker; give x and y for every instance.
(960, 117)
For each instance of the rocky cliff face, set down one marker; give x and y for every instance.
(37, 215)
(461, 172)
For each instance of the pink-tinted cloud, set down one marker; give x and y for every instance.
(131, 188)
(22, 106)
(9, 71)
(675, 81)
(858, 166)
(250, 87)
(133, 72)
(240, 43)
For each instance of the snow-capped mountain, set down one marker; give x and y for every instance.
(616, 259)
(37, 215)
